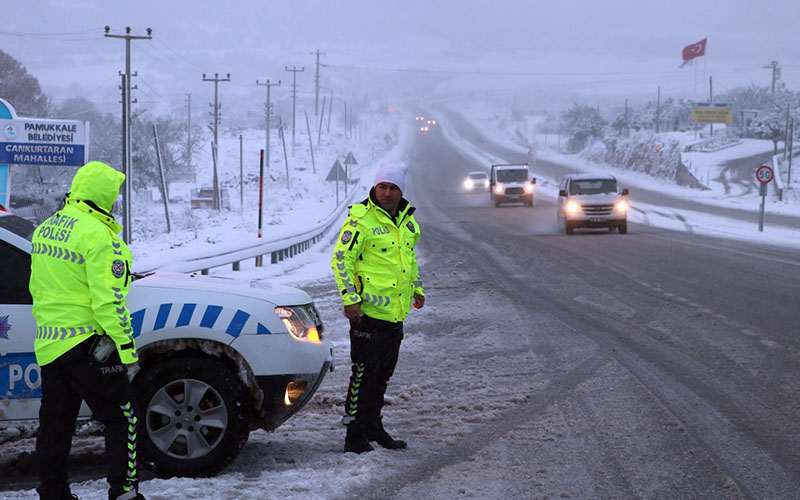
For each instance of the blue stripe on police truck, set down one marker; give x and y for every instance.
(186, 314)
(237, 323)
(209, 318)
(161, 317)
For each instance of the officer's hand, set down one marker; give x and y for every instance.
(419, 301)
(353, 313)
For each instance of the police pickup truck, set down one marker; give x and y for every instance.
(217, 357)
(511, 183)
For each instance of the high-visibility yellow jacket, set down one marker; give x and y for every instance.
(80, 270)
(374, 262)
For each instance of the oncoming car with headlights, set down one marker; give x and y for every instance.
(511, 183)
(218, 357)
(476, 181)
(592, 201)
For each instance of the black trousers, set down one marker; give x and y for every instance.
(74, 376)
(374, 348)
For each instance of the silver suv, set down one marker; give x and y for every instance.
(592, 201)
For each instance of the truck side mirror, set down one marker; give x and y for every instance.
(533, 180)
(624, 191)
(562, 192)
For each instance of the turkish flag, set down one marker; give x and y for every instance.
(694, 50)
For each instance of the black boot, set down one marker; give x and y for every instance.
(356, 440)
(377, 433)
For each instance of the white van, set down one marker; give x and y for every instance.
(511, 183)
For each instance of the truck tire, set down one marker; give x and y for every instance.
(623, 227)
(194, 415)
(568, 228)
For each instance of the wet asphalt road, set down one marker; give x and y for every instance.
(656, 364)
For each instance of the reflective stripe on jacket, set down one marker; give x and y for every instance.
(80, 270)
(374, 262)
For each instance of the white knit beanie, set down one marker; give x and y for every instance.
(393, 173)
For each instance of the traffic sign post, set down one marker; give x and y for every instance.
(764, 175)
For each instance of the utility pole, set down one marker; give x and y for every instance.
(330, 112)
(316, 83)
(268, 112)
(189, 134)
(216, 106)
(658, 108)
(294, 71)
(127, 219)
(627, 127)
(776, 73)
(788, 137)
(711, 98)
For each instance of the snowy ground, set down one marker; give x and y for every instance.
(303, 459)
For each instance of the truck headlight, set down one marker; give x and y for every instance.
(498, 188)
(573, 207)
(529, 188)
(298, 322)
(621, 206)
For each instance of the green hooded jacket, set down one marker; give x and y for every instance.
(80, 270)
(374, 262)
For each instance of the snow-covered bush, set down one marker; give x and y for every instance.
(647, 153)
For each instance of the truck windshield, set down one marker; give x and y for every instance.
(18, 226)
(593, 186)
(516, 175)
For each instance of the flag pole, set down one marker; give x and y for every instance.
(705, 57)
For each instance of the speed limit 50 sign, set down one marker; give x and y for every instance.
(764, 174)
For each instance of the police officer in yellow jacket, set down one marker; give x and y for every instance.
(376, 271)
(80, 275)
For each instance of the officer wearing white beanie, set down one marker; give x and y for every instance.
(394, 173)
(377, 274)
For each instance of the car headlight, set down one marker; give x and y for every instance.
(486, 183)
(298, 322)
(573, 207)
(498, 188)
(621, 206)
(529, 188)
(468, 184)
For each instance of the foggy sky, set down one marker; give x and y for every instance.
(616, 48)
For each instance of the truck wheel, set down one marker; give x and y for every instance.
(496, 201)
(623, 228)
(568, 228)
(194, 415)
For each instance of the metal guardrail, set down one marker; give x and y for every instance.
(277, 250)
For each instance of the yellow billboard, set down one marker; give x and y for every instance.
(712, 114)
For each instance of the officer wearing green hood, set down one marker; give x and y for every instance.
(80, 276)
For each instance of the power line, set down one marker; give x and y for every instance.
(62, 37)
(178, 55)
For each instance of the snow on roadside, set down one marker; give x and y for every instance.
(287, 209)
